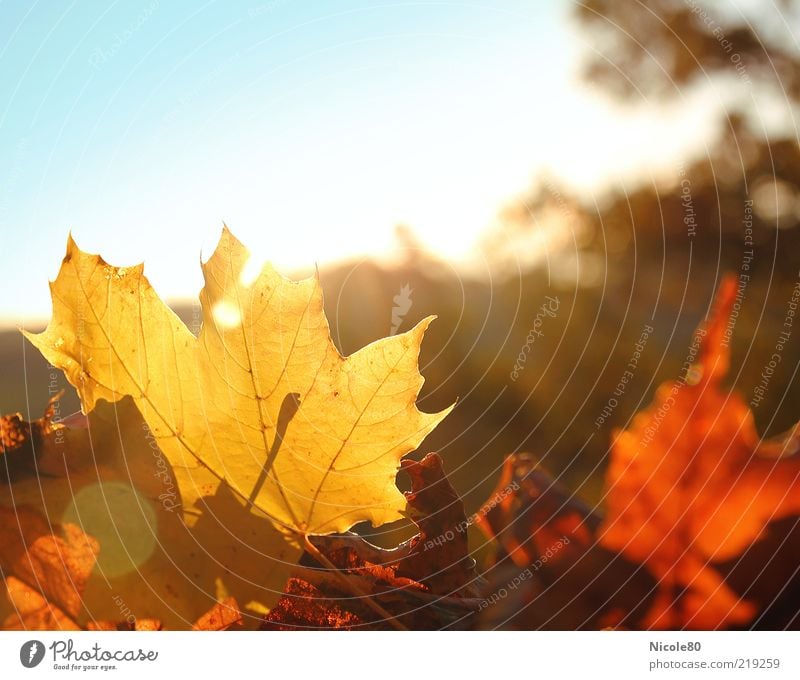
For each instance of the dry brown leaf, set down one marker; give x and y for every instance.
(221, 616)
(528, 514)
(45, 568)
(152, 565)
(422, 584)
(31, 611)
(548, 571)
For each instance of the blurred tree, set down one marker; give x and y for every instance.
(664, 243)
(663, 50)
(663, 47)
(647, 258)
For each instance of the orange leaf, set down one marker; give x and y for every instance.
(691, 484)
(220, 617)
(46, 569)
(32, 611)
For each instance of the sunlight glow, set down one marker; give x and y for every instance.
(251, 270)
(226, 314)
(121, 519)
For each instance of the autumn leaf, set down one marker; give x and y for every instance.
(691, 484)
(528, 514)
(546, 552)
(221, 616)
(261, 398)
(45, 570)
(61, 578)
(22, 444)
(165, 553)
(44, 567)
(135, 624)
(32, 611)
(425, 583)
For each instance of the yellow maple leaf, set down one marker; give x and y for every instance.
(262, 397)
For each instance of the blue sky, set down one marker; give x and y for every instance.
(311, 128)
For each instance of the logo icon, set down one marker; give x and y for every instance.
(402, 303)
(31, 653)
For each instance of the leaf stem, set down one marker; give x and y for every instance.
(352, 587)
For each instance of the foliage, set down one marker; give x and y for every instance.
(696, 507)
